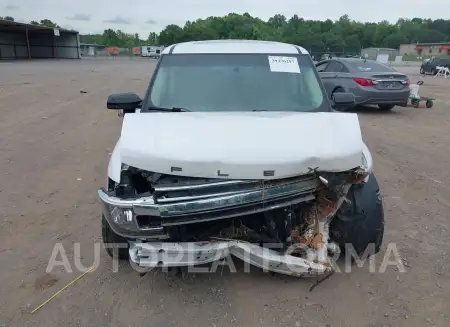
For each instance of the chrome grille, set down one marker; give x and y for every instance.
(192, 190)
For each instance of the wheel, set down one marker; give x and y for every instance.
(386, 107)
(339, 90)
(433, 72)
(429, 104)
(422, 72)
(361, 222)
(110, 239)
(415, 103)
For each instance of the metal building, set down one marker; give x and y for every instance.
(372, 53)
(26, 41)
(88, 49)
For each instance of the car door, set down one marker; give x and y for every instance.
(330, 75)
(445, 63)
(429, 65)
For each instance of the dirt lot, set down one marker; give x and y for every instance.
(54, 147)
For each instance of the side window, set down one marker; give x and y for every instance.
(334, 67)
(321, 68)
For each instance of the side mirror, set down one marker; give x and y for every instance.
(128, 102)
(343, 100)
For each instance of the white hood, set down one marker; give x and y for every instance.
(239, 145)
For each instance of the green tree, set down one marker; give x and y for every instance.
(110, 37)
(11, 19)
(48, 23)
(152, 38)
(171, 34)
(394, 40)
(341, 36)
(352, 44)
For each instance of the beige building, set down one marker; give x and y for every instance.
(426, 49)
(372, 53)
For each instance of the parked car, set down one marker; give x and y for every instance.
(370, 81)
(429, 66)
(235, 146)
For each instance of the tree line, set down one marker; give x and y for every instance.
(343, 35)
(42, 22)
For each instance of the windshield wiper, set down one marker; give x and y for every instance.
(174, 109)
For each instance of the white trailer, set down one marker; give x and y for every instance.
(151, 51)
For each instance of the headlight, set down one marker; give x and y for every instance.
(121, 216)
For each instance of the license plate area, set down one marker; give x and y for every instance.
(391, 85)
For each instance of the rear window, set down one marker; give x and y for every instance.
(370, 67)
(442, 62)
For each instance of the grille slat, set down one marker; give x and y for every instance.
(220, 188)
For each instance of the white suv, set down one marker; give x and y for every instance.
(235, 149)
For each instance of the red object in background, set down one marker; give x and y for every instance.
(137, 51)
(112, 50)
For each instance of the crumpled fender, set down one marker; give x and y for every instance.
(365, 199)
(361, 221)
(115, 164)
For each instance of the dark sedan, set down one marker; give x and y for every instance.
(371, 82)
(429, 66)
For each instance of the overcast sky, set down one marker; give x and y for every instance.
(144, 16)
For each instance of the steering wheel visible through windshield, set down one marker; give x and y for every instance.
(235, 82)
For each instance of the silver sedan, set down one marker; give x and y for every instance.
(371, 82)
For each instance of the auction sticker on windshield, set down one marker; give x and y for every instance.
(284, 64)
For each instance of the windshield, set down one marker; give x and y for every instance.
(236, 82)
(371, 66)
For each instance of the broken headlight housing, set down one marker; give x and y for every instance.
(121, 216)
(366, 162)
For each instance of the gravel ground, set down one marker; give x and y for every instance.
(55, 141)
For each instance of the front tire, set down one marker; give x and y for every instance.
(361, 222)
(111, 241)
(386, 107)
(422, 72)
(339, 90)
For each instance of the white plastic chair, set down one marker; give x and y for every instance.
(442, 71)
(414, 91)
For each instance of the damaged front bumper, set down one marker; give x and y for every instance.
(164, 254)
(148, 217)
(146, 222)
